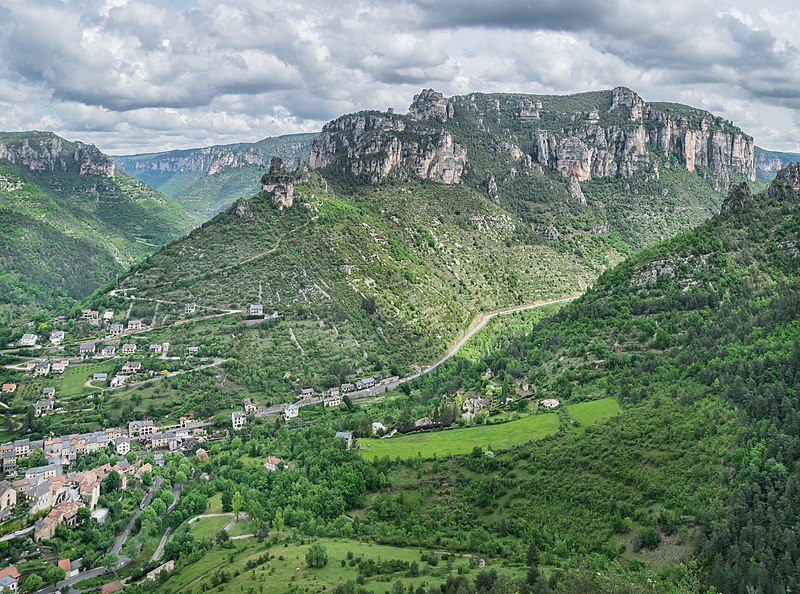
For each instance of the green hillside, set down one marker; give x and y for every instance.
(375, 281)
(70, 222)
(206, 181)
(697, 338)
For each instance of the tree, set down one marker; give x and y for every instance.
(317, 556)
(53, 574)
(33, 583)
(110, 561)
(111, 482)
(532, 558)
(131, 457)
(278, 521)
(236, 504)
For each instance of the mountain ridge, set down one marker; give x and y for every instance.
(208, 179)
(69, 194)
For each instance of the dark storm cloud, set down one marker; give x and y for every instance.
(551, 15)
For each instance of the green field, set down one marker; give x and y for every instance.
(589, 413)
(207, 528)
(287, 570)
(452, 442)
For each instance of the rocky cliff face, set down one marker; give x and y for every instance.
(602, 150)
(619, 136)
(786, 184)
(213, 159)
(373, 146)
(41, 151)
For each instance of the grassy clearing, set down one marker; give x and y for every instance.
(214, 504)
(207, 528)
(287, 570)
(589, 413)
(462, 441)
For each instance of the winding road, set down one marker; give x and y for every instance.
(476, 326)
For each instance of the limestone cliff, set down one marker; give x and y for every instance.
(579, 137)
(372, 146)
(211, 160)
(44, 151)
(598, 149)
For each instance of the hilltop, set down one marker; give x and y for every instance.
(208, 180)
(71, 220)
(406, 226)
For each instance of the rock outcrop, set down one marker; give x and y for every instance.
(279, 183)
(786, 184)
(431, 105)
(373, 146)
(738, 196)
(43, 151)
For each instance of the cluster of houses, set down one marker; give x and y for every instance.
(63, 493)
(9, 580)
(473, 406)
(173, 437)
(43, 367)
(329, 398)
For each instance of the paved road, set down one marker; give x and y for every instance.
(17, 534)
(176, 495)
(161, 544)
(477, 325)
(117, 546)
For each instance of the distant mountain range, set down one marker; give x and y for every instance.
(208, 180)
(71, 221)
(769, 162)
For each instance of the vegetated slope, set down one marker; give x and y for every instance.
(699, 339)
(768, 163)
(379, 269)
(378, 280)
(208, 180)
(70, 221)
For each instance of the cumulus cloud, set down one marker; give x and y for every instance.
(137, 75)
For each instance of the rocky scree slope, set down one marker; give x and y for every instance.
(71, 221)
(208, 180)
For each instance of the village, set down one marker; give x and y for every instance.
(42, 490)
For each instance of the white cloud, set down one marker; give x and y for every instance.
(133, 75)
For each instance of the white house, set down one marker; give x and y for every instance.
(28, 340)
(57, 337)
(290, 412)
(238, 418)
(255, 309)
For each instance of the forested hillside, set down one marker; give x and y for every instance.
(70, 221)
(698, 339)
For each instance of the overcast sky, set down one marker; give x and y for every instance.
(134, 76)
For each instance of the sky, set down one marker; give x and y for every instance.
(136, 76)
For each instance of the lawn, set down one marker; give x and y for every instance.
(214, 505)
(207, 528)
(76, 374)
(462, 441)
(589, 413)
(287, 570)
